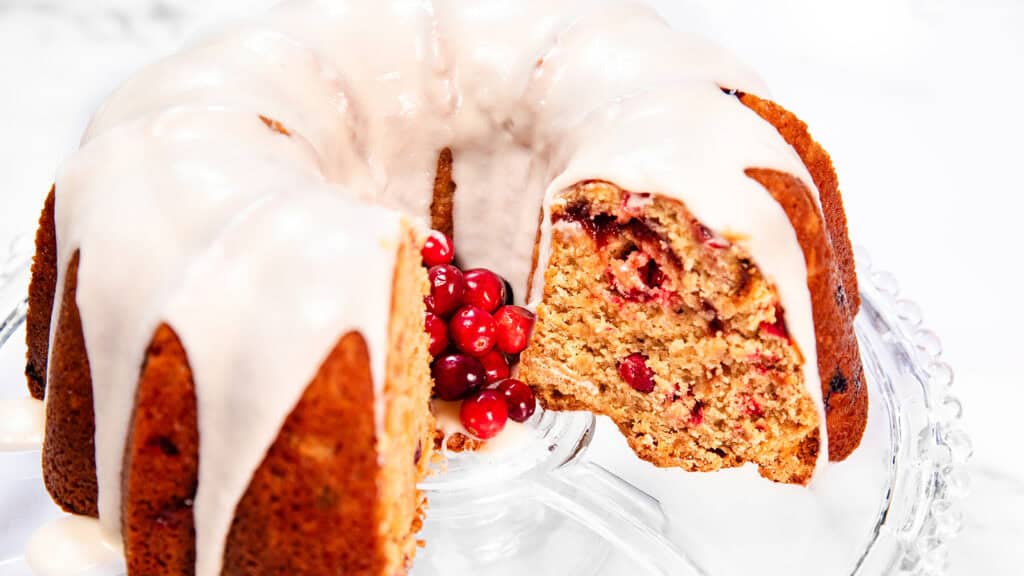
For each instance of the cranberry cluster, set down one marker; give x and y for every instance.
(476, 336)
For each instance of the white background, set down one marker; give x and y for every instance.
(919, 102)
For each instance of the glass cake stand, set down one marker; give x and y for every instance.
(555, 501)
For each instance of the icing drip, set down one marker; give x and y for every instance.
(74, 545)
(249, 276)
(170, 182)
(187, 208)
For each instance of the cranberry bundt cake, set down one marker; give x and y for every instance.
(227, 299)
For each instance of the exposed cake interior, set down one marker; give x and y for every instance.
(406, 448)
(670, 329)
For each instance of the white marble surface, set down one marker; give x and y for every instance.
(916, 99)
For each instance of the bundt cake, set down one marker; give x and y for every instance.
(227, 299)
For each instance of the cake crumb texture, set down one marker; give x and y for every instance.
(672, 331)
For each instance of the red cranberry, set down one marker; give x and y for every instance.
(484, 414)
(472, 330)
(709, 238)
(514, 324)
(456, 375)
(520, 399)
(778, 328)
(704, 233)
(484, 289)
(675, 395)
(752, 408)
(437, 250)
(697, 414)
(633, 369)
(446, 289)
(438, 331)
(651, 274)
(495, 365)
(509, 295)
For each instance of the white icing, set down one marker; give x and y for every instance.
(254, 69)
(187, 209)
(396, 83)
(446, 417)
(526, 73)
(21, 424)
(74, 546)
(513, 436)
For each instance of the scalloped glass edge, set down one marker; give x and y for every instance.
(930, 447)
(914, 534)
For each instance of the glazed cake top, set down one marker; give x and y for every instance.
(229, 190)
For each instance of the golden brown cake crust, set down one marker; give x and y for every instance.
(318, 479)
(69, 465)
(311, 507)
(40, 300)
(441, 207)
(161, 463)
(834, 292)
(839, 367)
(819, 164)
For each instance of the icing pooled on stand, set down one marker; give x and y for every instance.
(21, 424)
(74, 546)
